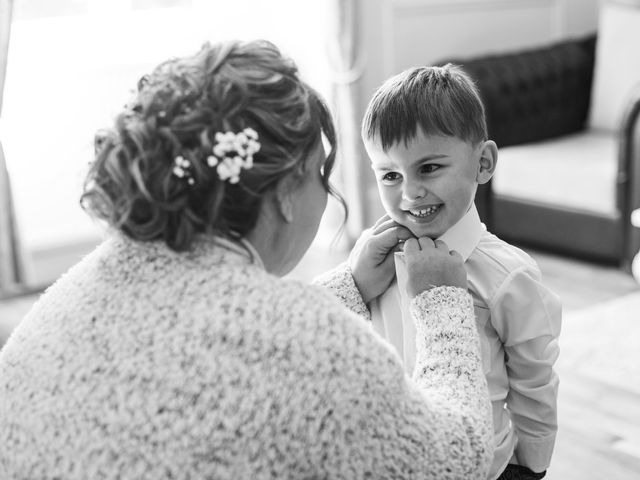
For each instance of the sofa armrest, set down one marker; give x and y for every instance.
(628, 189)
(535, 94)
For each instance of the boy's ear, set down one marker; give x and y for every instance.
(488, 161)
(284, 199)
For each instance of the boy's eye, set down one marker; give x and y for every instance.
(391, 177)
(429, 168)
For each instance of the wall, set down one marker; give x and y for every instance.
(397, 34)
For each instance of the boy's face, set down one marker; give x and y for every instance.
(429, 183)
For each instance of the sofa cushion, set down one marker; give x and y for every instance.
(535, 93)
(576, 171)
(617, 64)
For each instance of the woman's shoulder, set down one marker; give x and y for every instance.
(333, 332)
(316, 309)
(306, 299)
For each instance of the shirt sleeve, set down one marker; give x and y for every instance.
(435, 425)
(341, 283)
(527, 317)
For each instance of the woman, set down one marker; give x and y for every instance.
(175, 351)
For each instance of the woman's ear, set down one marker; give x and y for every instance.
(488, 161)
(284, 199)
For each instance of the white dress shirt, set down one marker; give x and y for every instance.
(518, 319)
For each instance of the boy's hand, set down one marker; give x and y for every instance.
(431, 264)
(371, 259)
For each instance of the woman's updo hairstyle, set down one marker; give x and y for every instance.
(177, 111)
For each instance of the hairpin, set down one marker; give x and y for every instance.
(231, 153)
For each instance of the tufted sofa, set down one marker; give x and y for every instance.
(560, 185)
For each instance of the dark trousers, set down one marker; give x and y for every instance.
(518, 472)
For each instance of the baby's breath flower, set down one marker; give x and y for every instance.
(231, 153)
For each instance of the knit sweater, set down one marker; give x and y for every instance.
(144, 363)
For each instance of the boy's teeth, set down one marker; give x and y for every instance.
(424, 211)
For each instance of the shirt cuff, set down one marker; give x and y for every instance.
(535, 453)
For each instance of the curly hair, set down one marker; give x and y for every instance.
(439, 100)
(177, 110)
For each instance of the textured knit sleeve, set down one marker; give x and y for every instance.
(382, 424)
(527, 317)
(340, 282)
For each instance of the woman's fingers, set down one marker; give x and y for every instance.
(423, 243)
(393, 236)
(411, 246)
(441, 245)
(371, 265)
(455, 254)
(383, 219)
(385, 223)
(426, 242)
(383, 226)
(431, 263)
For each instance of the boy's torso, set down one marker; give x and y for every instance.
(488, 267)
(490, 263)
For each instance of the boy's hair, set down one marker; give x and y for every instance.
(439, 100)
(177, 111)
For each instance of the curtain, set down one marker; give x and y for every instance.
(11, 256)
(347, 64)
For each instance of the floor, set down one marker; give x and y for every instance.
(599, 367)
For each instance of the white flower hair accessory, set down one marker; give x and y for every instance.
(231, 153)
(181, 169)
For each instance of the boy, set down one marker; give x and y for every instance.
(425, 133)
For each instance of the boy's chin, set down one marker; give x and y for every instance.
(422, 231)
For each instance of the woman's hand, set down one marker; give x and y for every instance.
(371, 259)
(431, 264)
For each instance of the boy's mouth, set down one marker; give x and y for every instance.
(424, 212)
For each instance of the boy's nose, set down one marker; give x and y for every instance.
(413, 191)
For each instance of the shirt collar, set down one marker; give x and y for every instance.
(464, 235)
